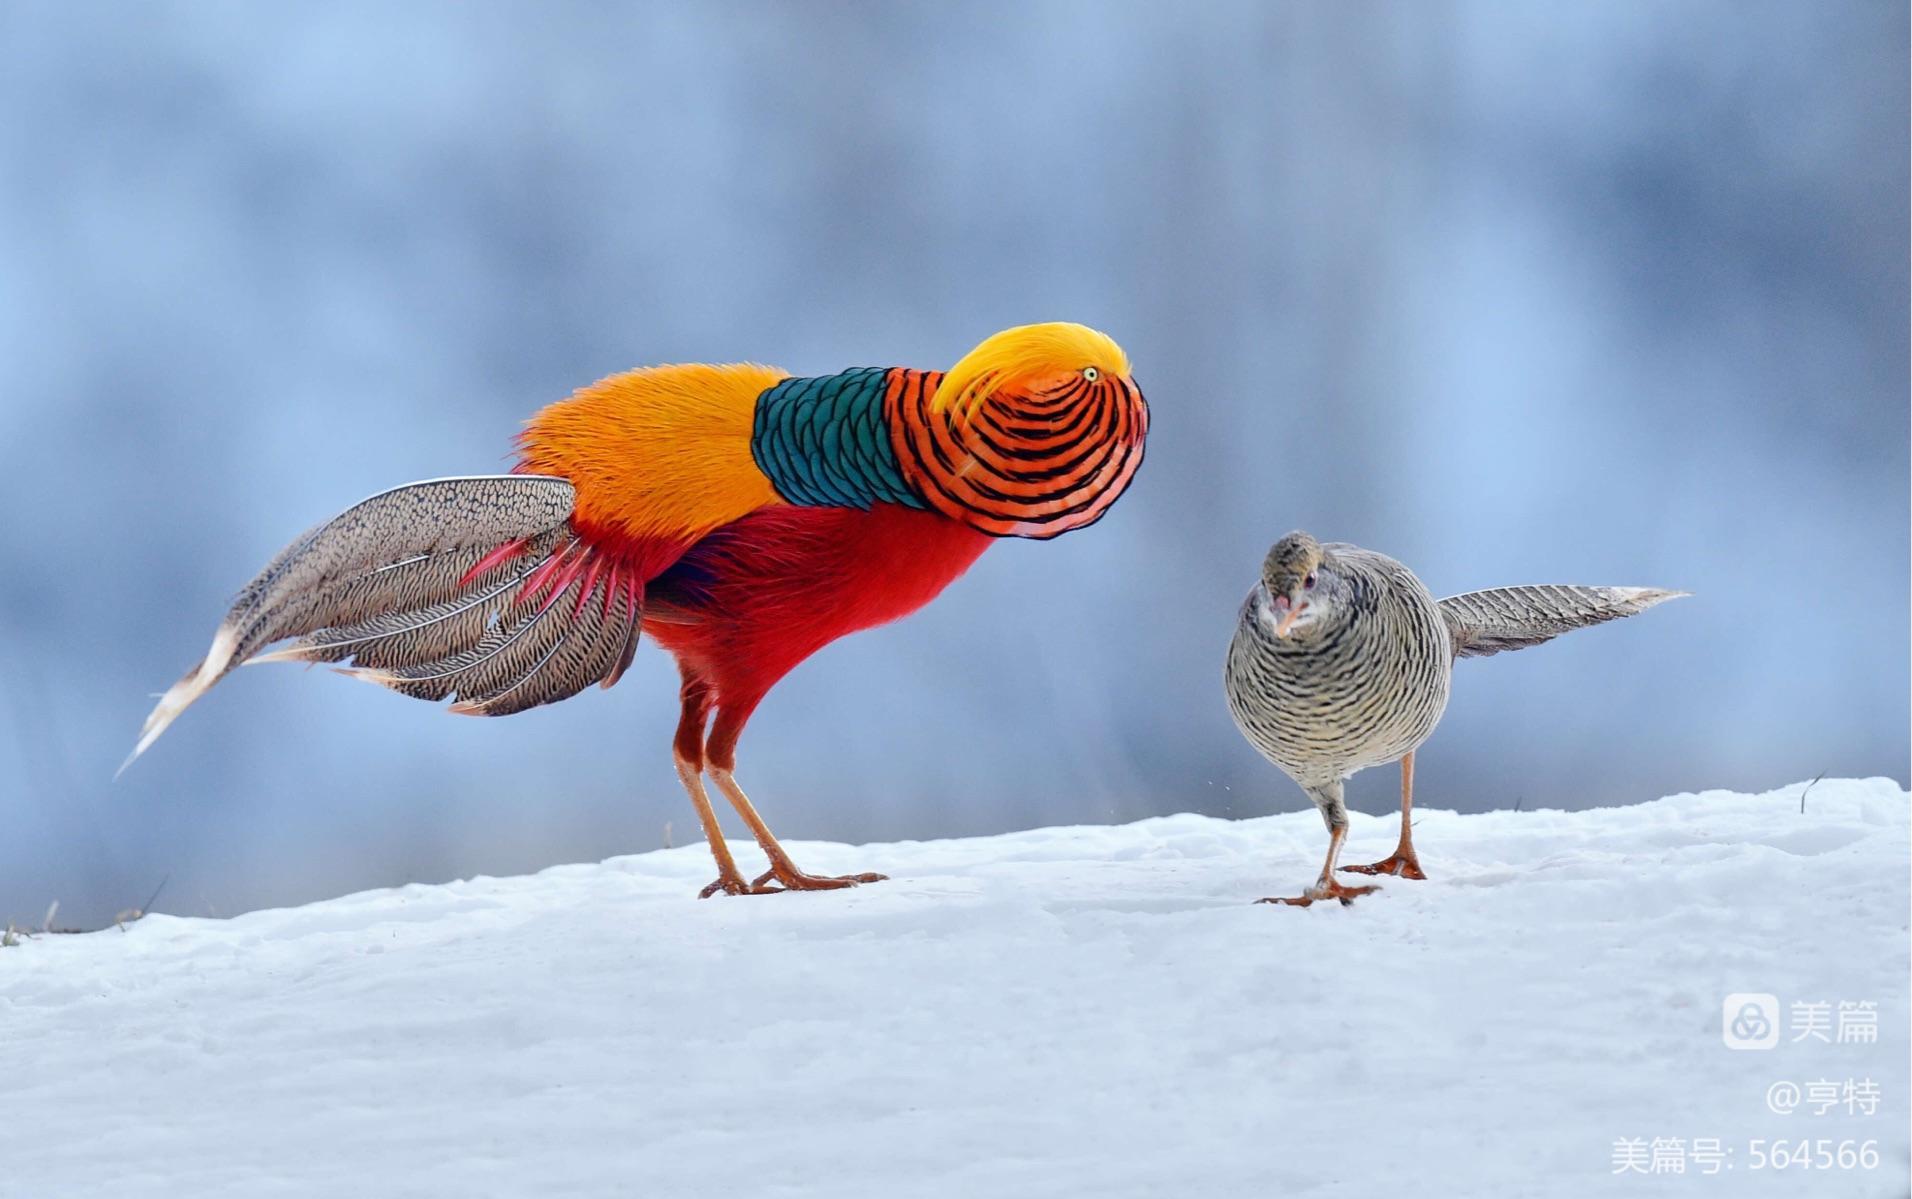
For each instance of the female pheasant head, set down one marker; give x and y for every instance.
(1033, 433)
(1299, 590)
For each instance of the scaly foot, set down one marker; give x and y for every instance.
(1325, 888)
(735, 884)
(794, 880)
(1400, 862)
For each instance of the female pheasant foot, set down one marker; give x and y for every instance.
(1402, 862)
(1324, 888)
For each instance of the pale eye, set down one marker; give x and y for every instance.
(1091, 374)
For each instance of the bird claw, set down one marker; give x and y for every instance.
(1327, 888)
(1405, 865)
(797, 880)
(790, 880)
(735, 885)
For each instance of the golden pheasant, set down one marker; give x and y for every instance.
(742, 518)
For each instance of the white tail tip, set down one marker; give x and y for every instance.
(181, 695)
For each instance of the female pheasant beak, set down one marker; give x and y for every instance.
(1286, 613)
(1279, 612)
(1288, 576)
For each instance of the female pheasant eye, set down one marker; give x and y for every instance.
(1308, 582)
(1091, 374)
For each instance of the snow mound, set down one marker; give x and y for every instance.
(1062, 1012)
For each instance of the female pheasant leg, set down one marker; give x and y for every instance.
(1334, 811)
(1402, 861)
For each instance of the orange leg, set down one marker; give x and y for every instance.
(1402, 861)
(718, 755)
(687, 750)
(1326, 887)
(730, 880)
(782, 868)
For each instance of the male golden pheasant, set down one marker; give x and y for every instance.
(742, 518)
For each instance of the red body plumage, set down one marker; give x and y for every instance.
(752, 600)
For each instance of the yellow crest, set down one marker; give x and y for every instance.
(1058, 347)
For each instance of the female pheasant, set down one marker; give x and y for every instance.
(1341, 660)
(742, 518)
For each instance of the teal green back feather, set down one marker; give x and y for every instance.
(822, 441)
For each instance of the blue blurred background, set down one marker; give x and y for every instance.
(1607, 293)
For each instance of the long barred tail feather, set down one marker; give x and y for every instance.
(542, 640)
(470, 587)
(1504, 618)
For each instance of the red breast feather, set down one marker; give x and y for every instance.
(750, 601)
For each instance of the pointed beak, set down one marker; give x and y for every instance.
(1286, 612)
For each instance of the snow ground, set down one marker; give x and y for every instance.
(1062, 1012)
